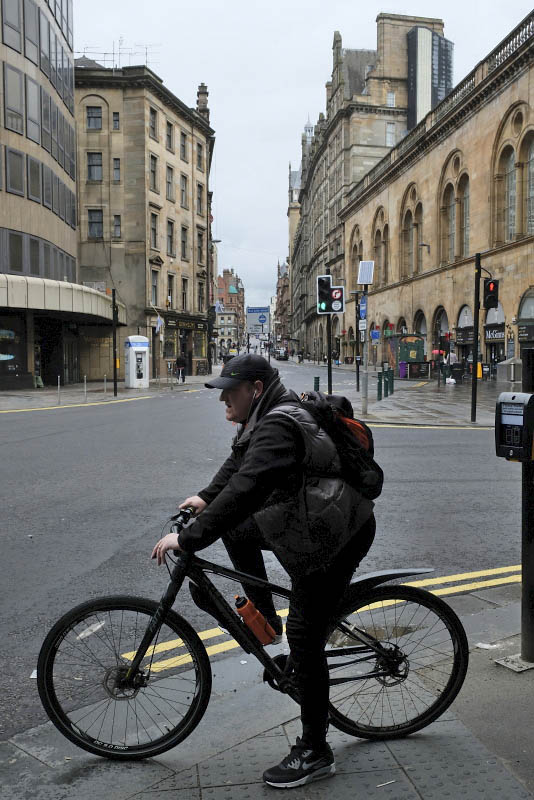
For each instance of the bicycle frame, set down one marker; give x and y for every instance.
(195, 568)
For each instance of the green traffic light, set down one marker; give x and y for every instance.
(322, 306)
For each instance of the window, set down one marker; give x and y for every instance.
(407, 234)
(170, 183)
(153, 173)
(530, 189)
(94, 118)
(116, 121)
(34, 179)
(169, 136)
(55, 194)
(31, 31)
(116, 169)
(450, 224)
(34, 256)
(183, 191)
(183, 146)
(96, 223)
(509, 196)
(116, 226)
(60, 138)
(200, 198)
(47, 186)
(184, 244)
(170, 291)
(46, 260)
(45, 120)
(94, 166)
(200, 156)
(153, 123)
(14, 171)
(12, 28)
(390, 99)
(33, 111)
(154, 295)
(200, 296)
(53, 45)
(200, 247)
(390, 134)
(14, 263)
(53, 127)
(45, 43)
(184, 294)
(464, 211)
(13, 99)
(170, 237)
(154, 231)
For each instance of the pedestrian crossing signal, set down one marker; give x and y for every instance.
(491, 293)
(324, 282)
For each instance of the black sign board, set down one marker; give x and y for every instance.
(525, 333)
(465, 335)
(494, 333)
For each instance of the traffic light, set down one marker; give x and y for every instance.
(491, 293)
(324, 283)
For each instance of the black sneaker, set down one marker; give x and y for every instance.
(278, 627)
(302, 765)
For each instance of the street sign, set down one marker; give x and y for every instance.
(365, 272)
(330, 299)
(375, 335)
(363, 307)
(337, 305)
(362, 325)
(258, 320)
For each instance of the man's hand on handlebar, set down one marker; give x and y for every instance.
(195, 502)
(169, 542)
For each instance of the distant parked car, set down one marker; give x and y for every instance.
(281, 354)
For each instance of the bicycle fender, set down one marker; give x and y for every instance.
(372, 579)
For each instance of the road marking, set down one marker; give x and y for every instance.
(78, 405)
(431, 427)
(230, 644)
(418, 385)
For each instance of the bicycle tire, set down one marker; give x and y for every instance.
(426, 681)
(80, 657)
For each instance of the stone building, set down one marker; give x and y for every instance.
(43, 310)
(461, 182)
(144, 161)
(227, 330)
(282, 315)
(231, 294)
(367, 107)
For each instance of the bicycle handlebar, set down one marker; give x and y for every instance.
(183, 516)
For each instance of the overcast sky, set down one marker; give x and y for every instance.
(265, 64)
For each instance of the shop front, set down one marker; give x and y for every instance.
(525, 335)
(494, 337)
(187, 337)
(13, 352)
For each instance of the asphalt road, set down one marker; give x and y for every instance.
(85, 492)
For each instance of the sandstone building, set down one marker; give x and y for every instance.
(144, 162)
(231, 295)
(461, 182)
(367, 109)
(44, 312)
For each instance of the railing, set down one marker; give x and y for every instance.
(513, 42)
(455, 97)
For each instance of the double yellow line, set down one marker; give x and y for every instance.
(462, 582)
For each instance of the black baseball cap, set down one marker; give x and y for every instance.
(247, 367)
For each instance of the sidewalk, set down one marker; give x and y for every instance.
(97, 392)
(481, 747)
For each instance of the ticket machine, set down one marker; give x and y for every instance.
(136, 365)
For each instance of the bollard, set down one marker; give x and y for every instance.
(58, 390)
(385, 374)
(85, 387)
(316, 382)
(379, 386)
(105, 384)
(391, 380)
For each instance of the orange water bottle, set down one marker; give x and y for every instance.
(255, 620)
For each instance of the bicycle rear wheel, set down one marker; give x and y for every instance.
(419, 673)
(90, 647)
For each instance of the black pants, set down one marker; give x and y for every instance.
(314, 600)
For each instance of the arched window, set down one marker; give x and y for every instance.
(385, 254)
(530, 188)
(526, 309)
(379, 278)
(418, 228)
(407, 245)
(464, 215)
(448, 227)
(509, 195)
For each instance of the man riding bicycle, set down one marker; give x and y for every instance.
(282, 489)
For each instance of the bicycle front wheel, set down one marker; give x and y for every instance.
(79, 669)
(417, 672)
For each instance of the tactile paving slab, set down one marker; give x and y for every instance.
(244, 763)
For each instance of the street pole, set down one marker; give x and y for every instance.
(365, 376)
(438, 359)
(357, 338)
(329, 345)
(114, 314)
(476, 315)
(527, 530)
(248, 342)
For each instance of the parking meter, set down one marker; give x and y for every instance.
(514, 426)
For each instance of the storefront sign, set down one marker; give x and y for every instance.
(465, 335)
(495, 333)
(186, 324)
(525, 333)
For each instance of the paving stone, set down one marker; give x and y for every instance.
(186, 779)
(341, 787)
(470, 778)
(244, 763)
(446, 743)
(168, 794)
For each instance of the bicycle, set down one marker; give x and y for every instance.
(129, 678)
